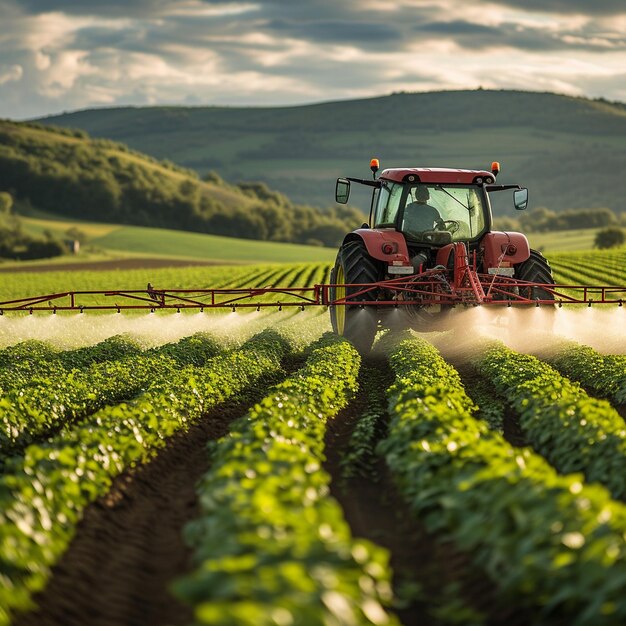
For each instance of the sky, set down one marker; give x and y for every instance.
(63, 55)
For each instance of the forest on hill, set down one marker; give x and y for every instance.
(64, 172)
(568, 151)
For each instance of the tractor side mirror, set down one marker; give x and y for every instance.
(520, 199)
(342, 190)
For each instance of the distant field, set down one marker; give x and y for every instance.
(177, 244)
(19, 285)
(596, 267)
(563, 241)
(113, 240)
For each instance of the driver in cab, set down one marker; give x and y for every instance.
(420, 216)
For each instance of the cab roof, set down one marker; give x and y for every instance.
(436, 175)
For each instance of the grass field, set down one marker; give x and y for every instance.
(178, 244)
(106, 241)
(563, 241)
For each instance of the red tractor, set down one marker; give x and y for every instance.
(429, 245)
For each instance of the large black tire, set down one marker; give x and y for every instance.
(536, 270)
(358, 325)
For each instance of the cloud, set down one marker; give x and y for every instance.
(581, 7)
(128, 8)
(77, 54)
(339, 31)
(10, 73)
(471, 35)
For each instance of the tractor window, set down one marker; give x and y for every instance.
(457, 209)
(387, 206)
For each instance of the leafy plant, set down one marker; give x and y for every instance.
(43, 494)
(603, 375)
(545, 540)
(271, 546)
(53, 396)
(572, 430)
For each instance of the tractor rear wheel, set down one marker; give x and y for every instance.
(535, 270)
(355, 323)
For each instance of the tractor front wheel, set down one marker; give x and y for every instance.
(354, 322)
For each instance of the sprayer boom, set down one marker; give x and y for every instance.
(433, 287)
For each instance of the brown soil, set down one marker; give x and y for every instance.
(112, 264)
(511, 428)
(129, 546)
(376, 511)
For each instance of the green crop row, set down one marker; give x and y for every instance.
(30, 352)
(561, 422)
(43, 494)
(25, 361)
(195, 349)
(272, 546)
(359, 457)
(24, 284)
(111, 349)
(545, 540)
(63, 396)
(31, 359)
(603, 375)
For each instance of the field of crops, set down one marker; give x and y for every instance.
(254, 469)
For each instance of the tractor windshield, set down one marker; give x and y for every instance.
(457, 209)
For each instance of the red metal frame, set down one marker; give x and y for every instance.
(435, 174)
(424, 289)
(462, 285)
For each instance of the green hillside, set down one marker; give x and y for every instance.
(156, 242)
(66, 173)
(568, 151)
(105, 242)
(564, 240)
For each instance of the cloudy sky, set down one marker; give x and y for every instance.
(60, 55)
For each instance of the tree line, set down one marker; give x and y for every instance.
(543, 220)
(65, 173)
(19, 245)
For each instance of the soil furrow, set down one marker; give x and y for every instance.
(435, 582)
(472, 381)
(129, 546)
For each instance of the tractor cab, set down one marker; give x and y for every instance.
(417, 211)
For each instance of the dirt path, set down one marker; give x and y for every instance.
(129, 546)
(443, 580)
(112, 264)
